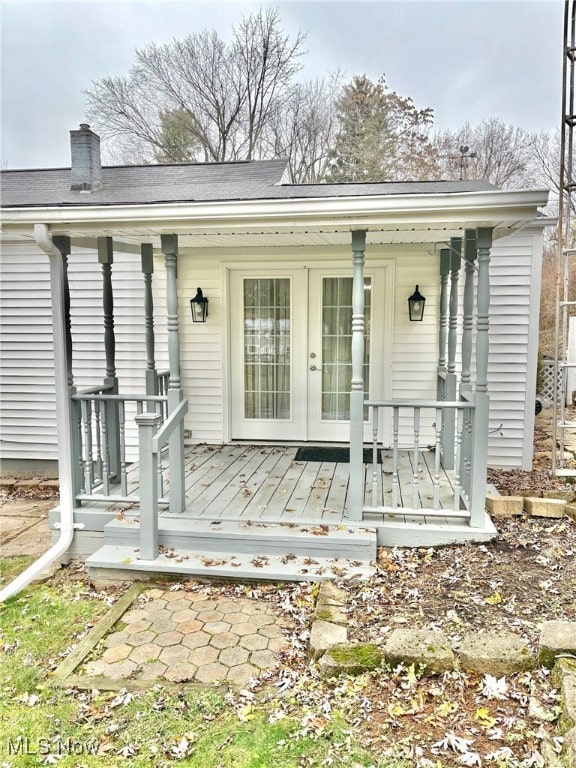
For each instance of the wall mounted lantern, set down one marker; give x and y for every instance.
(199, 307)
(416, 305)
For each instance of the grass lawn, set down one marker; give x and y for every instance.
(211, 728)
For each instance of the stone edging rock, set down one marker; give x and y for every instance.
(494, 653)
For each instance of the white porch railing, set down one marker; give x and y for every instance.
(448, 500)
(152, 440)
(102, 473)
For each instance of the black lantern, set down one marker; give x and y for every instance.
(416, 305)
(199, 307)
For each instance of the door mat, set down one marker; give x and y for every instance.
(339, 455)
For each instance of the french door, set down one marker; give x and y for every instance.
(291, 341)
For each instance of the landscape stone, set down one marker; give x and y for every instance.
(556, 493)
(504, 506)
(556, 638)
(420, 646)
(324, 635)
(495, 653)
(563, 666)
(567, 719)
(350, 659)
(569, 749)
(330, 594)
(545, 507)
(571, 511)
(335, 614)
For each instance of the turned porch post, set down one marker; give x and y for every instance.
(451, 377)
(176, 441)
(481, 398)
(443, 328)
(106, 259)
(147, 260)
(62, 242)
(356, 495)
(468, 313)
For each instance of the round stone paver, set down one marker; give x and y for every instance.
(117, 653)
(225, 640)
(204, 655)
(211, 673)
(270, 631)
(134, 614)
(254, 642)
(216, 627)
(196, 640)
(179, 605)
(242, 629)
(122, 670)
(242, 673)
(138, 626)
(144, 653)
(208, 616)
(153, 670)
(163, 625)
(115, 638)
(233, 657)
(174, 654)
(169, 638)
(187, 627)
(186, 615)
(263, 659)
(140, 638)
(180, 673)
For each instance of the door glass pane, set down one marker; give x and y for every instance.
(337, 345)
(267, 333)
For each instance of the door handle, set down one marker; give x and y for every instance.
(314, 368)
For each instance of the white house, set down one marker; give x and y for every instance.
(308, 341)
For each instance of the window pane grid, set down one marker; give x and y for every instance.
(337, 345)
(267, 351)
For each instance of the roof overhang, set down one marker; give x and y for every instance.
(311, 221)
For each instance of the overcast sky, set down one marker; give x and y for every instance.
(469, 60)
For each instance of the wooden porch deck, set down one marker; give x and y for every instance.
(248, 482)
(254, 501)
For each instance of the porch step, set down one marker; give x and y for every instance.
(250, 537)
(111, 563)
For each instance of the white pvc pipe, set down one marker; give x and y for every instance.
(63, 422)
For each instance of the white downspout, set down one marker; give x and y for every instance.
(63, 423)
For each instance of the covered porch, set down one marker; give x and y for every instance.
(430, 485)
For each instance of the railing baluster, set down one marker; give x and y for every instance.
(375, 414)
(160, 471)
(437, 450)
(395, 484)
(105, 451)
(122, 427)
(97, 428)
(86, 420)
(415, 458)
(458, 449)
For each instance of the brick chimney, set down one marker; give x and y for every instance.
(86, 165)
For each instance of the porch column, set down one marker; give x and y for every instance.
(62, 242)
(443, 330)
(147, 259)
(356, 495)
(169, 244)
(481, 398)
(468, 320)
(106, 259)
(451, 377)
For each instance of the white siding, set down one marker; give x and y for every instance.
(27, 409)
(27, 406)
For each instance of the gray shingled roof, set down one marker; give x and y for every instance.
(203, 182)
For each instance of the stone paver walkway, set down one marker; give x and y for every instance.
(185, 636)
